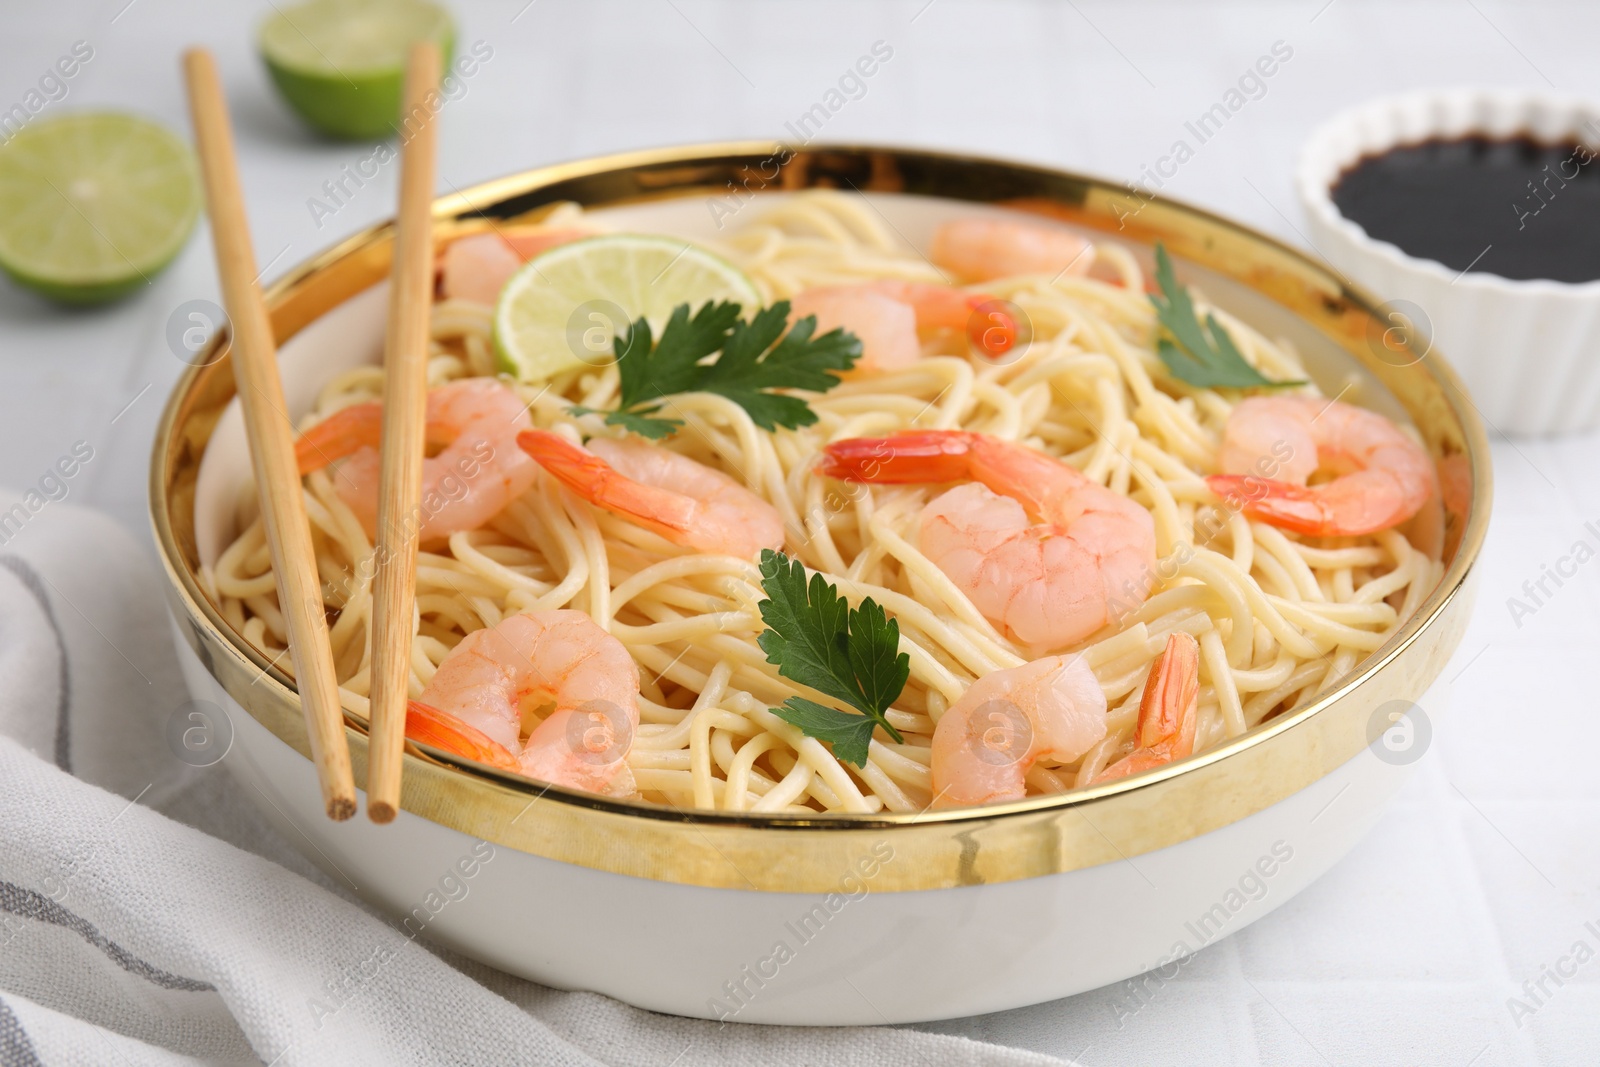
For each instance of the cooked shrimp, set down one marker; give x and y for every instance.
(886, 327)
(686, 502)
(1006, 721)
(476, 268)
(1272, 444)
(473, 705)
(892, 318)
(1167, 710)
(980, 250)
(479, 471)
(1041, 551)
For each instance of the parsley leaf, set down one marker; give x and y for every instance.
(1203, 356)
(642, 421)
(756, 358)
(850, 654)
(846, 731)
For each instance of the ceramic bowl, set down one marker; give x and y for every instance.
(831, 919)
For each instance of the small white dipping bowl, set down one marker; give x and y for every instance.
(1526, 349)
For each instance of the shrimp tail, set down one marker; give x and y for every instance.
(337, 436)
(1167, 710)
(1283, 504)
(430, 726)
(991, 328)
(909, 458)
(922, 457)
(592, 478)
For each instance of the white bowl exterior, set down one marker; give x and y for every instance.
(1526, 349)
(863, 957)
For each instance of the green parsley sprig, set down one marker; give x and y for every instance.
(754, 361)
(851, 654)
(1202, 355)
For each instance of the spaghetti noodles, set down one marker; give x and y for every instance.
(1279, 617)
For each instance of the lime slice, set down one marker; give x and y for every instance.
(93, 205)
(562, 309)
(340, 64)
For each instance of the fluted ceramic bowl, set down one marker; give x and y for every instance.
(831, 919)
(1526, 347)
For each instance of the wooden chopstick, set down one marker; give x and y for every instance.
(405, 399)
(266, 420)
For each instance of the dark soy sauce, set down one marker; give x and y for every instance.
(1509, 206)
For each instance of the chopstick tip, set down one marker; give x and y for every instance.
(341, 808)
(380, 811)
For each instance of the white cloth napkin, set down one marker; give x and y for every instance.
(148, 915)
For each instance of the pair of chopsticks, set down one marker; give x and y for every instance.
(255, 368)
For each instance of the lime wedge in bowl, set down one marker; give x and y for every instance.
(340, 64)
(562, 309)
(94, 205)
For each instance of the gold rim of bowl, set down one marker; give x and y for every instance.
(935, 849)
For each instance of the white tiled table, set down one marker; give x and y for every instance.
(1484, 872)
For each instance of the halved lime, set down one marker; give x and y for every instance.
(562, 309)
(341, 64)
(94, 205)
